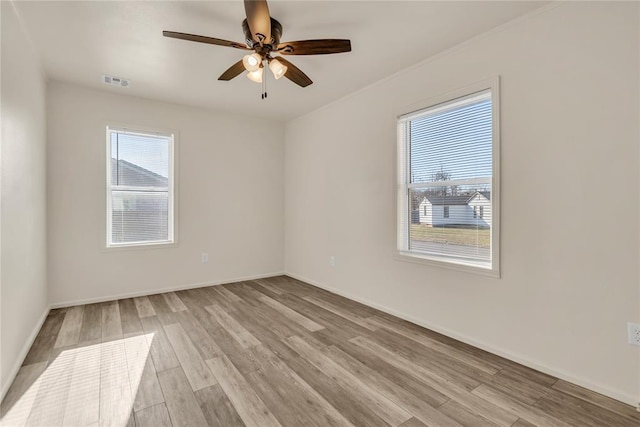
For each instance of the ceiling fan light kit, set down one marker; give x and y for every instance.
(252, 62)
(277, 68)
(255, 76)
(262, 35)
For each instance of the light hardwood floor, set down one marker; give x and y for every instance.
(277, 352)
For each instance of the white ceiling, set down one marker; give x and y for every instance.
(80, 41)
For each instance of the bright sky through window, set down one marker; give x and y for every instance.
(446, 141)
(148, 152)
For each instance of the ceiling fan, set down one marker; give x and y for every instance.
(262, 35)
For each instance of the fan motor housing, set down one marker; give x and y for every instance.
(276, 33)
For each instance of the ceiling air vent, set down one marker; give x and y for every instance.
(115, 81)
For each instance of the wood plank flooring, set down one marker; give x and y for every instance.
(276, 352)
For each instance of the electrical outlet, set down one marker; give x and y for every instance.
(332, 261)
(634, 333)
(204, 257)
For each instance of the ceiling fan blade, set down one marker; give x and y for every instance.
(314, 47)
(295, 74)
(232, 71)
(259, 20)
(203, 39)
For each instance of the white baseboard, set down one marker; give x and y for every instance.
(23, 354)
(518, 358)
(162, 290)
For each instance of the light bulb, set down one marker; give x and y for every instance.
(277, 68)
(255, 76)
(251, 62)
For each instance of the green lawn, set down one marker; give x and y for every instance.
(457, 236)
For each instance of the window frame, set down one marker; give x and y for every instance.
(402, 252)
(171, 188)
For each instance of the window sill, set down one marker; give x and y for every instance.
(448, 263)
(140, 246)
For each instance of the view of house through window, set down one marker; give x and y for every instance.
(140, 188)
(446, 194)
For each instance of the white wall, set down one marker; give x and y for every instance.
(230, 197)
(569, 99)
(23, 261)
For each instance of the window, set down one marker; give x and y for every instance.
(447, 156)
(140, 186)
(425, 209)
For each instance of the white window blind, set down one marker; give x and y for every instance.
(446, 200)
(139, 188)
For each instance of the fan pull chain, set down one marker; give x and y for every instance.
(264, 79)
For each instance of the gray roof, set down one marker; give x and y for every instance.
(449, 200)
(128, 173)
(455, 200)
(486, 194)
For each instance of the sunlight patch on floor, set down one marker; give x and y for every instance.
(83, 385)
